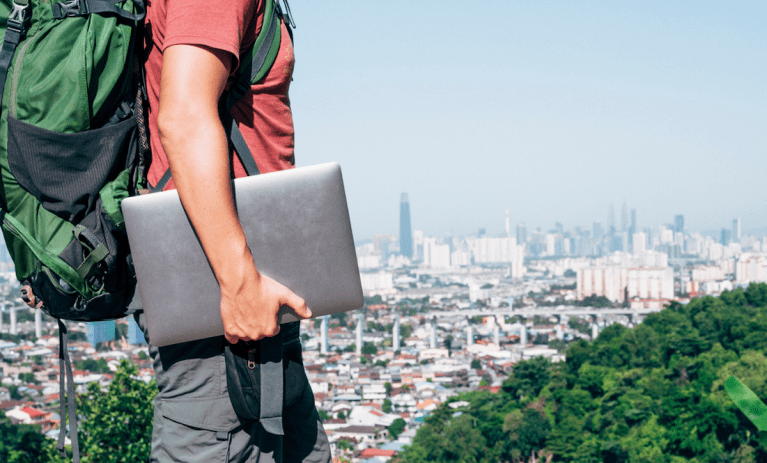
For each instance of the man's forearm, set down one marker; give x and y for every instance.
(196, 146)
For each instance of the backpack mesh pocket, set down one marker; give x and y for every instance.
(66, 171)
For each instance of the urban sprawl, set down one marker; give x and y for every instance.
(442, 316)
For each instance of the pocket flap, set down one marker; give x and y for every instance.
(210, 413)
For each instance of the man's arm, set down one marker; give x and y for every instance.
(193, 79)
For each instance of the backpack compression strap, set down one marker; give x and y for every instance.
(68, 402)
(254, 65)
(73, 8)
(13, 33)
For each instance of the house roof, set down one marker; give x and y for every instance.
(371, 452)
(33, 413)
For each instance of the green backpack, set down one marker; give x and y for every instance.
(73, 145)
(69, 151)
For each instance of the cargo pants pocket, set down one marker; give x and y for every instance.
(197, 430)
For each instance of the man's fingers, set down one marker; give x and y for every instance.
(232, 339)
(298, 305)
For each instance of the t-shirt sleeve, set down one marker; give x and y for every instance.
(221, 24)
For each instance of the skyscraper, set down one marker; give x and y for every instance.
(611, 220)
(679, 223)
(726, 237)
(624, 217)
(736, 230)
(521, 234)
(405, 234)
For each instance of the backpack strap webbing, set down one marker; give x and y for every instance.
(66, 399)
(272, 385)
(13, 33)
(73, 8)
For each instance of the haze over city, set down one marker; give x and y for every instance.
(553, 111)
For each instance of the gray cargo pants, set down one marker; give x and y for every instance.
(194, 420)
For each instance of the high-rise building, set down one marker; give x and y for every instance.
(611, 220)
(736, 230)
(521, 234)
(405, 234)
(135, 335)
(100, 331)
(624, 217)
(679, 223)
(633, 227)
(726, 237)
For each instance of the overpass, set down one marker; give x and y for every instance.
(634, 316)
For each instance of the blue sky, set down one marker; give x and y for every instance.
(552, 110)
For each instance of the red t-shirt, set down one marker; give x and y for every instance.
(263, 114)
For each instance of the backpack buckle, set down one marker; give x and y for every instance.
(17, 16)
(69, 9)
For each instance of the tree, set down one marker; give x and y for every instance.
(369, 348)
(476, 364)
(21, 443)
(396, 428)
(386, 407)
(405, 331)
(117, 424)
(528, 377)
(388, 386)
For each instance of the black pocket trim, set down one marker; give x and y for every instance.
(66, 171)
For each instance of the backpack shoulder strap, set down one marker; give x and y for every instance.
(13, 33)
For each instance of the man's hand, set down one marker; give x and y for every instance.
(251, 310)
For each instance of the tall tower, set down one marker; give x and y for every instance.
(324, 335)
(405, 234)
(611, 220)
(521, 234)
(508, 229)
(736, 230)
(624, 217)
(679, 223)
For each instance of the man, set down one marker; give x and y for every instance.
(192, 48)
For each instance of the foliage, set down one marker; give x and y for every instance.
(92, 365)
(369, 348)
(476, 364)
(650, 394)
(15, 394)
(386, 407)
(594, 301)
(405, 331)
(116, 423)
(396, 428)
(20, 443)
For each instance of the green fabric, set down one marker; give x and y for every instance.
(66, 87)
(48, 259)
(112, 195)
(72, 86)
(754, 409)
(94, 256)
(273, 49)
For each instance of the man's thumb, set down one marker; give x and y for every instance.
(298, 305)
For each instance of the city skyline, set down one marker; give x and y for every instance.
(630, 224)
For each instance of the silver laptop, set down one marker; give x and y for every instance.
(297, 226)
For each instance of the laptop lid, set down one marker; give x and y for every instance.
(297, 226)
